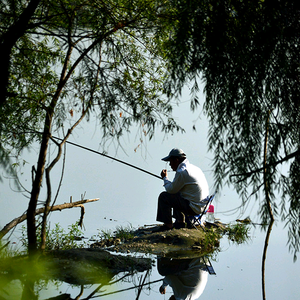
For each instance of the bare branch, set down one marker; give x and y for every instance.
(41, 210)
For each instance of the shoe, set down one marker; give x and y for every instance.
(179, 225)
(190, 226)
(163, 228)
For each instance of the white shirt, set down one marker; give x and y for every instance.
(188, 284)
(191, 183)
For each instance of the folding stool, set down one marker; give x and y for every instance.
(196, 220)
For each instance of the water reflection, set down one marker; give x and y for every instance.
(186, 277)
(264, 259)
(183, 278)
(86, 269)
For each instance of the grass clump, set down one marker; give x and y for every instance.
(109, 238)
(57, 238)
(238, 233)
(211, 239)
(124, 233)
(104, 234)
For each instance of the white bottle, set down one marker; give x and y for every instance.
(210, 214)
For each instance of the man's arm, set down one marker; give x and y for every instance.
(163, 287)
(162, 290)
(164, 173)
(177, 184)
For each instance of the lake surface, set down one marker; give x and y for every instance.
(130, 197)
(238, 275)
(238, 272)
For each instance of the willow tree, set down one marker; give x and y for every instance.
(74, 59)
(247, 54)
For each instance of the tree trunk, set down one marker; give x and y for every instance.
(266, 170)
(263, 267)
(48, 181)
(8, 41)
(36, 187)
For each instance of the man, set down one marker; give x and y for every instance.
(186, 277)
(183, 194)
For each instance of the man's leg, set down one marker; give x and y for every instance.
(168, 201)
(181, 211)
(164, 208)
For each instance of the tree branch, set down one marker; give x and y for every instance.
(266, 170)
(41, 210)
(286, 158)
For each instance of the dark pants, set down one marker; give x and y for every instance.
(167, 202)
(167, 266)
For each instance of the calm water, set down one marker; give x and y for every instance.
(129, 197)
(238, 275)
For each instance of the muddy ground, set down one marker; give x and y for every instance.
(106, 258)
(184, 243)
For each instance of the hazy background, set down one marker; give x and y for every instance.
(128, 196)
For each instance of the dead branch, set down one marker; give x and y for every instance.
(41, 210)
(80, 223)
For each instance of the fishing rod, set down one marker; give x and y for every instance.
(107, 156)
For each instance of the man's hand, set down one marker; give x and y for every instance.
(163, 173)
(162, 290)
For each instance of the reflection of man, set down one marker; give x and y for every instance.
(183, 194)
(186, 277)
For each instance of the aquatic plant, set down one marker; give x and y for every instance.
(238, 233)
(57, 238)
(210, 240)
(124, 233)
(121, 232)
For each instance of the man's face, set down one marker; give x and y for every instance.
(174, 163)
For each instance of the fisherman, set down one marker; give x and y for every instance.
(183, 194)
(186, 277)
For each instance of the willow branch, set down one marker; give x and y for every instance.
(266, 170)
(286, 158)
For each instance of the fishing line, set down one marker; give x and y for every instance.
(107, 156)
